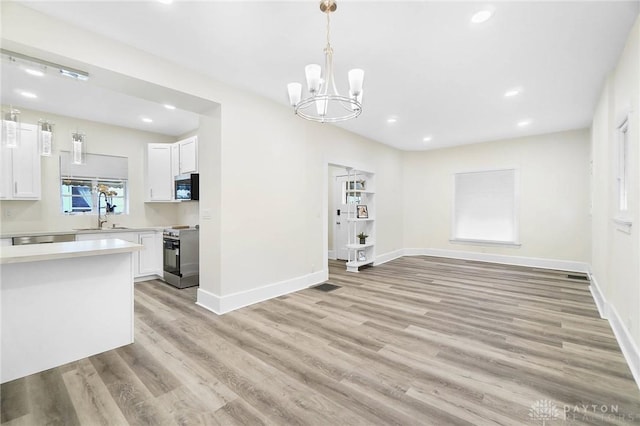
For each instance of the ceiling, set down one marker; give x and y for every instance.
(426, 64)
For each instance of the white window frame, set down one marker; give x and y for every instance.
(622, 168)
(515, 240)
(93, 184)
(622, 217)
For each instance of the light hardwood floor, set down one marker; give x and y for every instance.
(416, 341)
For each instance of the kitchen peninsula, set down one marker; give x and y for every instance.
(64, 301)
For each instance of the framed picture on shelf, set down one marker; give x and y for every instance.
(362, 212)
(362, 256)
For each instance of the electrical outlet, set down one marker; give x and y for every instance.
(8, 212)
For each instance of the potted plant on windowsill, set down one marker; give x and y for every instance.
(363, 237)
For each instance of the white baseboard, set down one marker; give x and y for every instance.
(535, 262)
(383, 258)
(598, 297)
(332, 255)
(627, 345)
(223, 304)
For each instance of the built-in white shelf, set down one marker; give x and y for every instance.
(364, 196)
(361, 246)
(354, 265)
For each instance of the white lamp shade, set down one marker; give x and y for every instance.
(357, 98)
(295, 93)
(312, 72)
(321, 107)
(356, 78)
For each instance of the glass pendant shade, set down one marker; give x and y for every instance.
(295, 93)
(312, 72)
(45, 137)
(78, 148)
(356, 77)
(11, 128)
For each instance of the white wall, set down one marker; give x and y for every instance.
(616, 254)
(264, 186)
(46, 215)
(554, 220)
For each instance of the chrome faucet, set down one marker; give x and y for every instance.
(100, 220)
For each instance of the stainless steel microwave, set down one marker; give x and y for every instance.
(187, 187)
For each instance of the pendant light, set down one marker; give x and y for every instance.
(45, 137)
(324, 103)
(11, 128)
(78, 147)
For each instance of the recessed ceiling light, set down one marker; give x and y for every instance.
(392, 120)
(427, 138)
(168, 106)
(165, 1)
(481, 16)
(29, 95)
(147, 120)
(34, 72)
(524, 123)
(512, 92)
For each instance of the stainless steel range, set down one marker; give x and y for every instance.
(181, 257)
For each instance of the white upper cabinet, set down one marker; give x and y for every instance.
(21, 175)
(159, 184)
(175, 159)
(188, 155)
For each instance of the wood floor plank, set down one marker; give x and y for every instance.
(416, 341)
(90, 396)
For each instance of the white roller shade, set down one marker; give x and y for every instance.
(97, 166)
(485, 206)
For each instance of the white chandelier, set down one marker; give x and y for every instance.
(324, 104)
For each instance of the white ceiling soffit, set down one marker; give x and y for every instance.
(425, 63)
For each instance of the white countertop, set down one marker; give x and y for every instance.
(53, 251)
(83, 231)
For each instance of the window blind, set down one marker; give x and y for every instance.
(96, 166)
(485, 206)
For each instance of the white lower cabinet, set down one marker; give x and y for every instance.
(148, 261)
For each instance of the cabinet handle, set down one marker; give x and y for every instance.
(15, 188)
(151, 191)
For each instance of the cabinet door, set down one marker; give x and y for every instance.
(175, 159)
(189, 155)
(151, 255)
(26, 165)
(6, 173)
(159, 179)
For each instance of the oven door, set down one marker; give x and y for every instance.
(171, 256)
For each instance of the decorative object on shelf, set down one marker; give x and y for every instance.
(45, 137)
(11, 127)
(362, 237)
(362, 212)
(324, 104)
(361, 256)
(78, 147)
